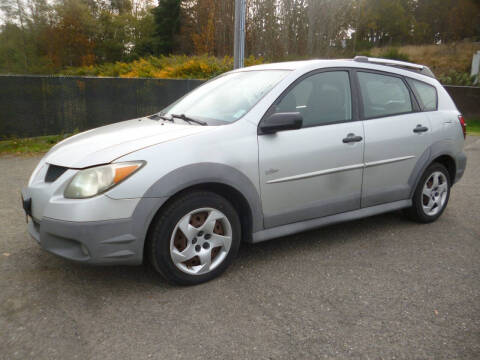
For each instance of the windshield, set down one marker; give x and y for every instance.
(226, 98)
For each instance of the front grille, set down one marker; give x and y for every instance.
(54, 172)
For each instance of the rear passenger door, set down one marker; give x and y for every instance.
(396, 136)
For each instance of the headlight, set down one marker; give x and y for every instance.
(93, 181)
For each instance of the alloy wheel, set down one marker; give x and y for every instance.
(434, 193)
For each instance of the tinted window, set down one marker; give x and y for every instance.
(383, 95)
(427, 94)
(321, 98)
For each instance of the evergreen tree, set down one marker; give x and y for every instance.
(167, 25)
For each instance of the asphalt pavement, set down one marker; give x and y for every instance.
(377, 288)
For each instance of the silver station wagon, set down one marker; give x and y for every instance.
(252, 155)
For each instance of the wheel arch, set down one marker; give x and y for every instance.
(449, 162)
(439, 152)
(221, 179)
(235, 197)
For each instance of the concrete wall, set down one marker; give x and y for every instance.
(45, 105)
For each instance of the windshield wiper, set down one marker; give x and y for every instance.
(158, 116)
(188, 119)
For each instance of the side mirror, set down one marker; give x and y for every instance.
(280, 122)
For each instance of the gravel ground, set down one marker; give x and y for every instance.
(381, 287)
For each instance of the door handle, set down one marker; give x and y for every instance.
(352, 138)
(420, 129)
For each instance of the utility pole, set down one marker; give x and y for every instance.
(239, 39)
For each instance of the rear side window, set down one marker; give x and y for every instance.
(322, 98)
(427, 94)
(383, 95)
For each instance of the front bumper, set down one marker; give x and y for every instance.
(97, 242)
(97, 230)
(106, 242)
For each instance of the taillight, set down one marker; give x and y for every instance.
(463, 124)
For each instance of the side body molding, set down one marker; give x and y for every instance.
(201, 173)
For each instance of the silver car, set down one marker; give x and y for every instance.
(252, 155)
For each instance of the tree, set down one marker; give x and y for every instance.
(167, 25)
(15, 11)
(384, 22)
(204, 39)
(44, 36)
(72, 37)
(143, 33)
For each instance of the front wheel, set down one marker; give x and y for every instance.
(195, 238)
(431, 195)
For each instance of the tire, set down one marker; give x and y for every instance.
(181, 243)
(422, 199)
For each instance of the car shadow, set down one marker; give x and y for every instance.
(324, 237)
(317, 240)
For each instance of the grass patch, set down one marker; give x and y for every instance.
(32, 145)
(444, 60)
(473, 126)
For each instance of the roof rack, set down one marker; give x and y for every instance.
(422, 69)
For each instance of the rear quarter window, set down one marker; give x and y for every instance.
(426, 93)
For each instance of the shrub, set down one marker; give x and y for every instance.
(441, 59)
(394, 54)
(364, 53)
(173, 66)
(457, 78)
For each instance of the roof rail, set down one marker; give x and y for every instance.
(422, 69)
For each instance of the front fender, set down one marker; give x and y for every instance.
(202, 173)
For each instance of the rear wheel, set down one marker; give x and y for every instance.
(431, 195)
(195, 238)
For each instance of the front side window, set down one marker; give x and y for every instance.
(426, 93)
(226, 98)
(322, 98)
(383, 95)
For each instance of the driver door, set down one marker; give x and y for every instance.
(317, 170)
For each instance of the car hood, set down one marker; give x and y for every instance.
(107, 143)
